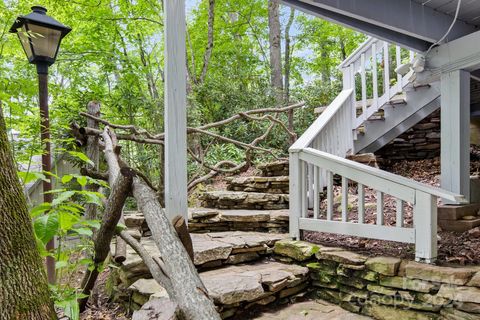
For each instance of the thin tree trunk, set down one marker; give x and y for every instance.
(187, 289)
(93, 153)
(274, 38)
(287, 70)
(208, 50)
(24, 290)
(111, 216)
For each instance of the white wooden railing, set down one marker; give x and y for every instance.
(367, 59)
(335, 126)
(318, 155)
(422, 197)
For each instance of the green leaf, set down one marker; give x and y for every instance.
(61, 264)
(120, 227)
(46, 227)
(82, 180)
(81, 156)
(28, 177)
(70, 307)
(41, 208)
(91, 223)
(62, 197)
(67, 178)
(67, 220)
(83, 231)
(86, 261)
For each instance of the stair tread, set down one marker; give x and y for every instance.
(230, 247)
(310, 310)
(241, 283)
(244, 200)
(236, 215)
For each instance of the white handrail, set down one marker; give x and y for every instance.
(312, 132)
(355, 55)
(348, 168)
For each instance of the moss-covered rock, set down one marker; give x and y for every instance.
(454, 314)
(298, 250)
(384, 265)
(462, 294)
(428, 272)
(381, 290)
(345, 257)
(408, 284)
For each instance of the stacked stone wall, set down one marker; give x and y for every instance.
(385, 287)
(422, 141)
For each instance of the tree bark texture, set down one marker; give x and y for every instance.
(274, 38)
(287, 69)
(209, 48)
(24, 290)
(93, 153)
(187, 288)
(111, 216)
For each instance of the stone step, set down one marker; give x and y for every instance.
(236, 289)
(244, 200)
(210, 250)
(275, 185)
(456, 212)
(309, 310)
(272, 169)
(203, 220)
(459, 225)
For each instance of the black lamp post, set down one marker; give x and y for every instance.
(40, 36)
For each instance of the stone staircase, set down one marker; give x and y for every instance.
(459, 218)
(233, 236)
(268, 191)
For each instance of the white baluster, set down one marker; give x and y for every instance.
(316, 192)
(379, 208)
(361, 203)
(344, 199)
(364, 86)
(400, 212)
(329, 195)
(303, 174)
(375, 75)
(386, 68)
(398, 56)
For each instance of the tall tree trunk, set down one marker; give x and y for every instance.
(209, 48)
(274, 38)
(24, 290)
(93, 153)
(287, 70)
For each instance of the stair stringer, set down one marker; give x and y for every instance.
(398, 119)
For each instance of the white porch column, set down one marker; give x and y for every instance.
(175, 109)
(455, 132)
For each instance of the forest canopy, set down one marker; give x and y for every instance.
(114, 55)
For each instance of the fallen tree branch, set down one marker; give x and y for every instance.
(113, 209)
(155, 269)
(186, 287)
(94, 174)
(215, 170)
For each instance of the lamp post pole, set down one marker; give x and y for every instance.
(40, 36)
(42, 71)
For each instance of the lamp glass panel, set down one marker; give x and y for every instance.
(45, 41)
(25, 41)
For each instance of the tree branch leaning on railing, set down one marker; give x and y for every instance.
(140, 135)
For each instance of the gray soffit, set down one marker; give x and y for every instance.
(414, 24)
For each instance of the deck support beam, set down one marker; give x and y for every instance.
(175, 109)
(455, 132)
